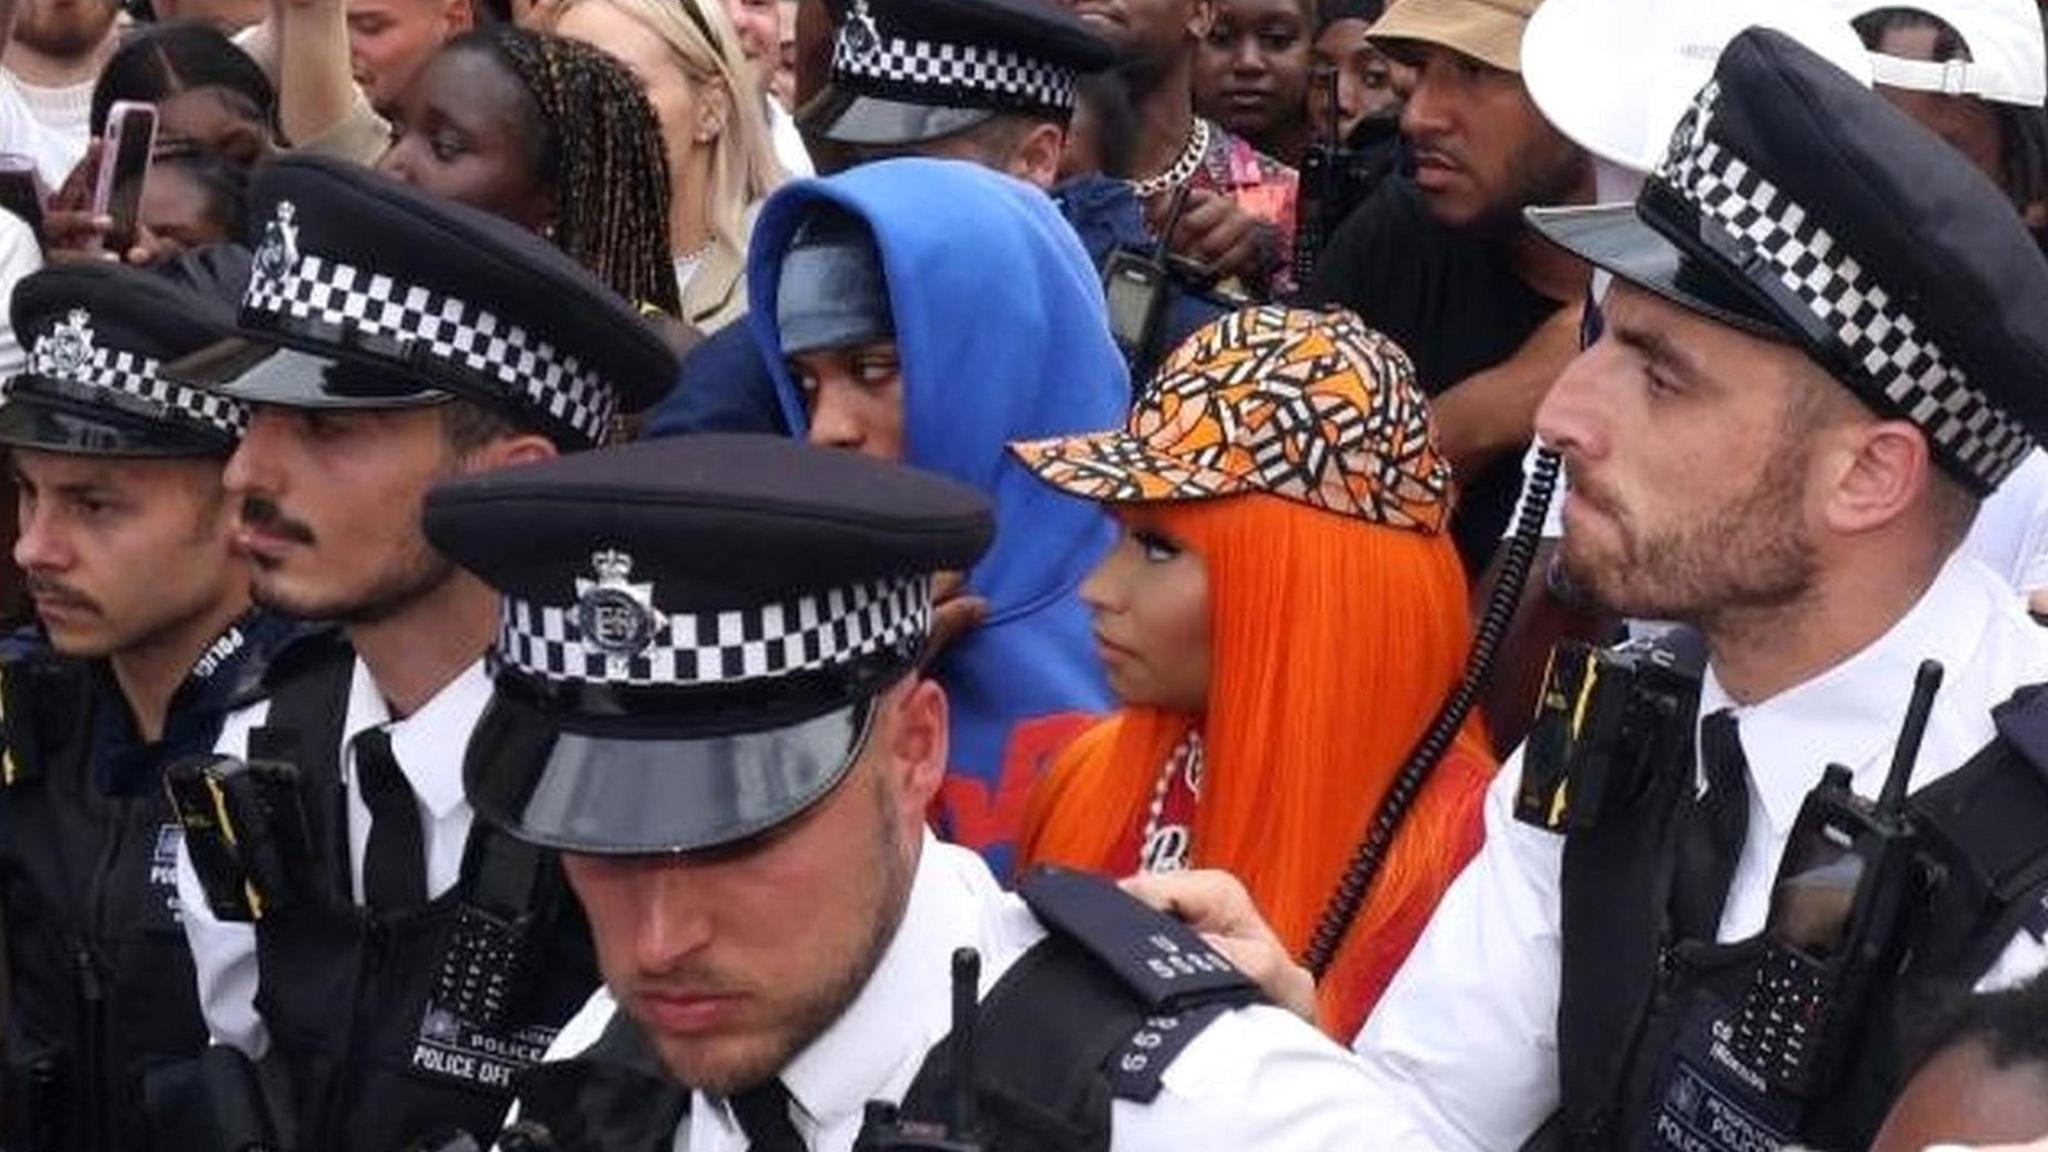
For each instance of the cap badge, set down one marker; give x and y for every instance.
(68, 348)
(616, 617)
(862, 37)
(278, 256)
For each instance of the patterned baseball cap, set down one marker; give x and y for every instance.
(1313, 407)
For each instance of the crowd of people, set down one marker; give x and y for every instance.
(701, 575)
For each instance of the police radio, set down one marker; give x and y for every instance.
(1135, 286)
(245, 827)
(885, 1129)
(1841, 896)
(1607, 721)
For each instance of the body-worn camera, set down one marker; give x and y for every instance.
(1607, 720)
(244, 828)
(1842, 892)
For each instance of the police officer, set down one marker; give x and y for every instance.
(1823, 349)
(707, 696)
(400, 969)
(146, 640)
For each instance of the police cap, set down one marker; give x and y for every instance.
(1797, 205)
(908, 72)
(693, 631)
(97, 337)
(367, 293)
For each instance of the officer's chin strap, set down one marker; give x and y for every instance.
(885, 1129)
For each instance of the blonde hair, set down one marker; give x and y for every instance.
(703, 43)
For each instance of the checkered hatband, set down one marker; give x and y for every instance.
(415, 327)
(67, 358)
(872, 62)
(801, 634)
(1895, 358)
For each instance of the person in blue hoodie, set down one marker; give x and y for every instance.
(931, 311)
(871, 107)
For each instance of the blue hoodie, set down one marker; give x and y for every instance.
(1002, 335)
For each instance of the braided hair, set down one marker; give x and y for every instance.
(599, 147)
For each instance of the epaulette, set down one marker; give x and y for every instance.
(1162, 960)
(1180, 982)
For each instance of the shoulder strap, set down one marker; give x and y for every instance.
(1614, 895)
(1096, 1012)
(309, 684)
(1986, 824)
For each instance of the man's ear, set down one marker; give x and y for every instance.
(509, 451)
(1884, 469)
(915, 730)
(459, 17)
(1037, 158)
(1201, 18)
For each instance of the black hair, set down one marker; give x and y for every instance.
(2023, 131)
(158, 61)
(1328, 12)
(599, 149)
(2012, 1026)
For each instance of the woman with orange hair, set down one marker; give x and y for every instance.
(1281, 621)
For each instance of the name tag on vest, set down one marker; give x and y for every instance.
(1708, 1100)
(449, 1047)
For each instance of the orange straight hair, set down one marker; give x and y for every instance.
(1333, 641)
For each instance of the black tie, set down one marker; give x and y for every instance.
(395, 859)
(1711, 841)
(763, 1114)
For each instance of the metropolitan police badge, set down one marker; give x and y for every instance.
(862, 37)
(277, 258)
(616, 617)
(68, 348)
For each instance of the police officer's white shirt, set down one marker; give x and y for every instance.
(428, 746)
(1462, 1049)
(1258, 1078)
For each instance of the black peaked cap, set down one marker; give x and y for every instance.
(1796, 204)
(693, 630)
(369, 293)
(97, 337)
(907, 72)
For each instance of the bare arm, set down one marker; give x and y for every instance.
(1494, 411)
(315, 90)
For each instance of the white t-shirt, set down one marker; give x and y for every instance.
(19, 256)
(22, 134)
